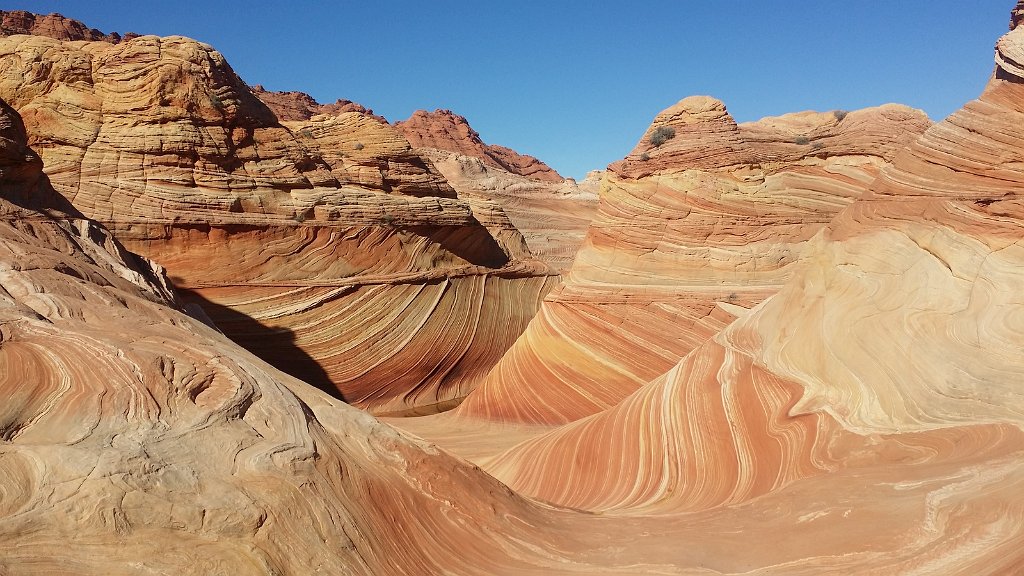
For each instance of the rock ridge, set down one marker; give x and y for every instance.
(445, 130)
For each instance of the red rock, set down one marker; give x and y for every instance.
(54, 26)
(298, 106)
(445, 130)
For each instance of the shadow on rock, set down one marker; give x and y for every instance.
(275, 346)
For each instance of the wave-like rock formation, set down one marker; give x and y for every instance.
(839, 326)
(551, 212)
(871, 408)
(134, 437)
(553, 217)
(329, 245)
(686, 238)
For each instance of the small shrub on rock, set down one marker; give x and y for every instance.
(661, 135)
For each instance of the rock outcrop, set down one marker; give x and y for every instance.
(796, 352)
(53, 26)
(870, 406)
(327, 245)
(445, 130)
(683, 244)
(297, 106)
(552, 216)
(552, 213)
(134, 437)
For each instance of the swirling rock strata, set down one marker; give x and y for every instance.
(684, 240)
(552, 216)
(270, 224)
(134, 437)
(880, 385)
(551, 212)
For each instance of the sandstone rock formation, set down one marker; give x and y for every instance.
(53, 26)
(297, 106)
(445, 130)
(136, 438)
(828, 305)
(327, 245)
(869, 408)
(552, 213)
(682, 244)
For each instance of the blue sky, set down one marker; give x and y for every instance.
(577, 83)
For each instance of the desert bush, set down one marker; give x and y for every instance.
(661, 135)
(839, 114)
(802, 140)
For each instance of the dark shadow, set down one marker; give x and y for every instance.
(473, 243)
(1007, 76)
(47, 199)
(275, 346)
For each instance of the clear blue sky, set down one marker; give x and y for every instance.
(576, 83)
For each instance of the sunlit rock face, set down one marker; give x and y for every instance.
(551, 212)
(327, 245)
(297, 106)
(445, 130)
(53, 26)
(134, 437)
(856, 408)
(871, 407)
(689, 234)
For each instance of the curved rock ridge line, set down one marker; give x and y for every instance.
(932, 260)
(551, 212)
(299, 106)
(672, 257)
(168, 447)
(158, 139)
(701, 135)
(715, 431)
